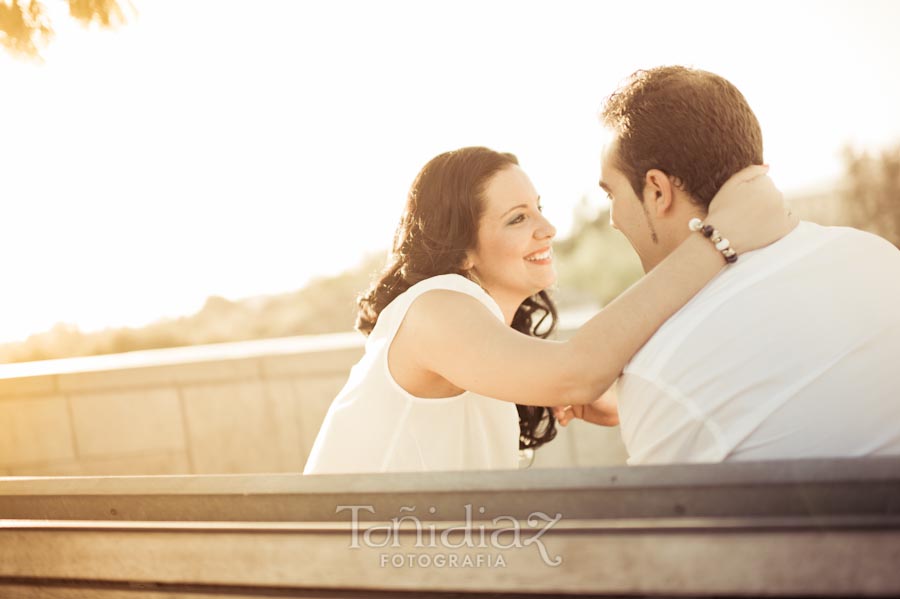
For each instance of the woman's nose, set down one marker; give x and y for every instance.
(545, 229)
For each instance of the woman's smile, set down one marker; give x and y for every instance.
(543, 256)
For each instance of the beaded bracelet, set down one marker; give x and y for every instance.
(722, 244)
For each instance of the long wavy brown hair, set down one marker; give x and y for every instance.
(438, 227)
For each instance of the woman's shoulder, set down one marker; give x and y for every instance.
(458, 283)
(451, 281)
(448, 282)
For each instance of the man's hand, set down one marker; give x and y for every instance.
(604, 411)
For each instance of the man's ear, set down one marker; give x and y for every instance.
(659, 193)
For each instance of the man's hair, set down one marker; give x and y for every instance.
(693, 125)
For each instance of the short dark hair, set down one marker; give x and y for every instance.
(693, 125)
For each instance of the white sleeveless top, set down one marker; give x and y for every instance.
(374, 425)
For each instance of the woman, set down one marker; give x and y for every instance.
(446, 361)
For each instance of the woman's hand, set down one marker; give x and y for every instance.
(750, 211)
(604, 411)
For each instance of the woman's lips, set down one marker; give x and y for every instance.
(542, 256)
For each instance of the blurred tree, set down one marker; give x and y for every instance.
(106, 13)
(872, 195)
(25, 28)
(595, 263)
(324, 305)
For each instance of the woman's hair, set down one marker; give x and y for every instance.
(438, 227)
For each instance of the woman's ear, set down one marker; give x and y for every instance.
(659, 193)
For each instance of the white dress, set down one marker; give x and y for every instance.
(374, 425)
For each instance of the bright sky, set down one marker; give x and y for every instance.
(240, 148)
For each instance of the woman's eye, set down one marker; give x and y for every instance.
(541, 209)
(519, 218)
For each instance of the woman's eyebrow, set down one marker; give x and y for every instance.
(514, 208)
(519, 206)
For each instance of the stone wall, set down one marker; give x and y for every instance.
(246, 407)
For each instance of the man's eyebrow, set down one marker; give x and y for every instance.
(519, 206)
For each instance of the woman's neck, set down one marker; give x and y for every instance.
(509, 305)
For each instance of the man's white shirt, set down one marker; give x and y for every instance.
(792, 352)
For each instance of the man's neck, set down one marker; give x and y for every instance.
(673, 230)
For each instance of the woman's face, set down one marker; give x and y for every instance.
(513, 258)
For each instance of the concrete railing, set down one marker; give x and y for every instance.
(797, 528)
(244, 407)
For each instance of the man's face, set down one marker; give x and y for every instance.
(627, 212)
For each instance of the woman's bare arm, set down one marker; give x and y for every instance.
(460, 340)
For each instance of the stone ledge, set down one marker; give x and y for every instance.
(287, 356)
(151, 463)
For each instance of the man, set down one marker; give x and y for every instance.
(791, 352)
